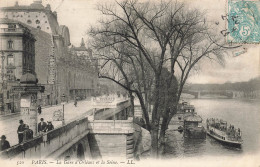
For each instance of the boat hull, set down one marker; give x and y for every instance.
(225, 142)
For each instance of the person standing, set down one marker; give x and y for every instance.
(4, 143)
(75, 102)
(20, 131)
(42, 126)
(49, 126)
(39, 109)
(28, 133)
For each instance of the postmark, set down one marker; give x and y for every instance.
(243, 21)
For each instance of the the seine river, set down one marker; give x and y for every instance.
(243, 114)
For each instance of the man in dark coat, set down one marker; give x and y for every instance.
(4, 143)
(39, 110)
(42, 126)
(28, 133)
(20, 131)
(49, 126)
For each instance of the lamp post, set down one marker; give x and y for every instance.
(63, 103)
(3, 59)
(2, 75)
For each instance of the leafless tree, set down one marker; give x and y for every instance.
(137, 40)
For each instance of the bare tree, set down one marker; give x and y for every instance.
(137, 40)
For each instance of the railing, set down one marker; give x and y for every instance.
(47, 143)
(111, 126)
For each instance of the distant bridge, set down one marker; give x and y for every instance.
(198, 94)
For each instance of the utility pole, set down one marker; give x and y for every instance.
(2, 75)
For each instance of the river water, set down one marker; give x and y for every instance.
(243, 114)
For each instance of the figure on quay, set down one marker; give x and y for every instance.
(75, 102)
(20, 131)
(4, 143)
(42, 126)
(49, 126)
(39, 109)
(28, 133)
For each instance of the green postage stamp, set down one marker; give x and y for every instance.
(243, 21)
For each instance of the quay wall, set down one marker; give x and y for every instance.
(83, 139)
(111, 138)
(51, 144)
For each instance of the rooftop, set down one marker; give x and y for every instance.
(193, 118)
(28, 78)
(36, 5)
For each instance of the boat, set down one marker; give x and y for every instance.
(220, 131)
(184, 109)
(193, 128)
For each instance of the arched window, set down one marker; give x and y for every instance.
(10, 44)
(10, 60)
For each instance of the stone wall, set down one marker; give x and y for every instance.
(53, 144)
(112, 138)
(107, 145)
(123, 106)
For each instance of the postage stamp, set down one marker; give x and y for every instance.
(243, 21)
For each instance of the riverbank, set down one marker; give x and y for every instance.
(143, 142)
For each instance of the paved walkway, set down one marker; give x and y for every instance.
(9, 124)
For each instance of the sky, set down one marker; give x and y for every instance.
(79, 15)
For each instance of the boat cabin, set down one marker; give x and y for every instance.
(193, 127)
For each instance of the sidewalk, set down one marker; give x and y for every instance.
(9, 124)
(9, 115)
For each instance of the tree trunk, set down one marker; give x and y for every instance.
(163, 130)
(132, 103)
(154, 142)
(146, 115)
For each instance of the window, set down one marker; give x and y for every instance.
(10, 44)
(37, 21)
(11, 27)
(7, 94)
(29, 21)
(39, 27)
(10, 60)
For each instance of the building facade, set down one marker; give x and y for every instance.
(84, 84)
(17, 57)
(61, 69)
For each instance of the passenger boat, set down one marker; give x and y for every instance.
(228, 135)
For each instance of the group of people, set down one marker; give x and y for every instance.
(45, 127)
(25, 133)
(222, 125)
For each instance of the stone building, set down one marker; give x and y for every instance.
(17, 57)
(87, 81)
(58, 68)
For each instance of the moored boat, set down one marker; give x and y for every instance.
(228, 135)
(193, 128)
